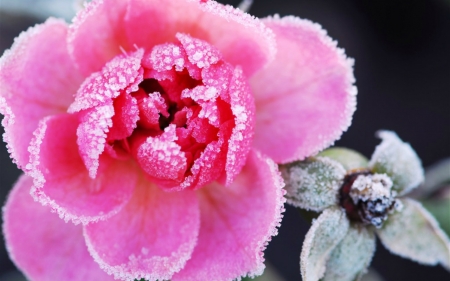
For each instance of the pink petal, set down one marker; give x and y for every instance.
(92, 132)
(125, 117)
(41, 244)
(61, 180)
(199, 52)
(97, 34)
(305, 98)
(243, 108)
(208, 167)
(101, 87)
(161, 158)
(95, 99)
(37, 79)
(237, 221)
(151, 238)
(242, 39)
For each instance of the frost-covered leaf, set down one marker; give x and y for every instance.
(351, 257)
(313, 184)
(349, 158)
(325, 233)
(413, 233)
(399, 161)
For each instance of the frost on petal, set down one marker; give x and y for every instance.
(351, 257)
(101, 87)
(349, 158)
(162, 159)
(218, 76)
(207, 168)
(399, 161)
(92, 131)
(313, 184)
(199, 52)
(242, 39)
(42, 245)
(305, 98)
(164, 57)
(126, 114)
(97, 34)
(243, 108)
(37, 79)
(326, 232)
(413, 233)
(151, 238)
(237, 221)
(61, 179)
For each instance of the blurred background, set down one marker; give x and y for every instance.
(402, 53)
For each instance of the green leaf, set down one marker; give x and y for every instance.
(440, 209)
(324, 235)
(349, 158)
(351, 257)
(413, 233)
(399, 161)
(313, 184)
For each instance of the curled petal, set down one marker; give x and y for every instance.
(351, 257)
(243, 108)
(322, 238)
(161, 158)
(30, 89)
(42, 245)
(151, 238)
(126, 114)
(61, 180)
(413, 233)
(242, 39)
(237, 221)
(99, 100)
(399, 161)
(303, 104)
(101, 87)
(313, 184)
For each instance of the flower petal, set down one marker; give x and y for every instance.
(243, 108)
(413, 233)
(313, 184)
(237, 221)
(151, 238)
(322, 238)
(61, 180)
(97, 34)
(32, 89)
(42, 245)
(97, 99)
(161, 158)
(242, 39)
(351, 257)
(399, 161)
(305, 98)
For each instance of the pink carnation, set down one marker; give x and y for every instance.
(155, 128)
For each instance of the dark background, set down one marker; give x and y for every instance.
(402, 53)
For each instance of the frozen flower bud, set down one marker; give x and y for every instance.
(373, 197)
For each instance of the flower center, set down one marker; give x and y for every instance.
(367, 198)
(183, 113)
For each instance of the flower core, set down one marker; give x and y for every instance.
(367, 198)
(184, 114)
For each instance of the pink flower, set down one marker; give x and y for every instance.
(155, 126)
